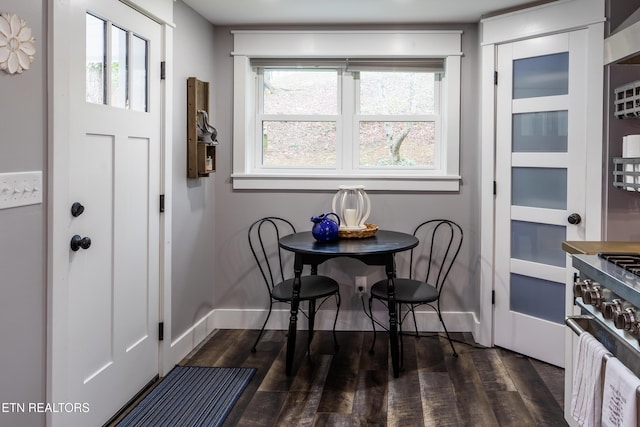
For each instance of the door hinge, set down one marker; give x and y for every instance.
(163, 68)
(161, 203)
(495, 78)
(495, 188)
(493, 297)
(161, 331)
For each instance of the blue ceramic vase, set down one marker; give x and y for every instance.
(324, 228)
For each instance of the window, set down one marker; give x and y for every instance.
(397, 119)
(316, 121)
(297, 116)
(119, 79)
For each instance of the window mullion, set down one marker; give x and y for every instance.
(348, 143)
(298, 117)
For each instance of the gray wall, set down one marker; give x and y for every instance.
(621, 207)
(194, 216)
(23, 109)
(237, 284)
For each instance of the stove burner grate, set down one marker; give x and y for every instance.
(630, 261)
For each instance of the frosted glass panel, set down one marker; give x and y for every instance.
(539, 187)
(537, 242)
(546, 75)
(537, 297)
(138, 74)
(540, 132)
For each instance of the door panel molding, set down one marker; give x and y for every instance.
(549, 216)
(541, 271)
(542, 103)
(552, 160)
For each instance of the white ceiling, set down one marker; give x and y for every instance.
(291, 12)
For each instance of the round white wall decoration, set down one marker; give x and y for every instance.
(17, 46)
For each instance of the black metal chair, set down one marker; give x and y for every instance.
(429, 266)
(263, 241)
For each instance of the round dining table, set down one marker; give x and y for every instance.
(378, 249)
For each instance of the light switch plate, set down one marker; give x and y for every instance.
(20, 189)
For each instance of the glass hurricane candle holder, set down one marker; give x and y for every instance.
(353, 206)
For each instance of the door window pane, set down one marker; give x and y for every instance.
(537, 297)
(294, 143)
(539, 187)
(540, 132)
(119, 54)
(397, 144)
(139, 64)
(95, 60)
(537, 242)
(546, 75)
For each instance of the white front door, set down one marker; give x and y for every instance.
(540, 182)
(112, 293)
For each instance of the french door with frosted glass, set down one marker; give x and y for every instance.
(540, 171)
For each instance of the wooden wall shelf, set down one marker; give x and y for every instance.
(201, 157)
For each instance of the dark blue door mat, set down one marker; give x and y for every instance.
(191, 396)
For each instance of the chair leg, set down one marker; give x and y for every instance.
(415, 323)
(399, 311)
(373, 325)
(455, 354)
(335, 322)
(312, 318)
(253, 350)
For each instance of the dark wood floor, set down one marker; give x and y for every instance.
(351, 387)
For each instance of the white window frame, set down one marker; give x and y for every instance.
(344, 44)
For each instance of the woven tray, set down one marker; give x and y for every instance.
(369, 231)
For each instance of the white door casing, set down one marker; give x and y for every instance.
(104, 299)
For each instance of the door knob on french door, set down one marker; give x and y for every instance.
(78, 242)
(574, 219)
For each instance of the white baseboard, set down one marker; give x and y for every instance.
(189, 340)
(347, 321)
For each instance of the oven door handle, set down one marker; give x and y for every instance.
(573, 322)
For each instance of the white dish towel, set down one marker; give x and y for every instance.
(586, 396)
(619, 396)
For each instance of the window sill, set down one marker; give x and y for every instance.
(397, 183)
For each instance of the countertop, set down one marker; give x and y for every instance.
(592, 248)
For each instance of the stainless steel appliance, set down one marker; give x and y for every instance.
(607, 292)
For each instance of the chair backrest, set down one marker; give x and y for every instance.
(440, 243)
(263, 240)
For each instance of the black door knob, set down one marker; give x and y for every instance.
(574, 219)
(78, 242)
(77, 209)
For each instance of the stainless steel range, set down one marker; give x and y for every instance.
(607, 293)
